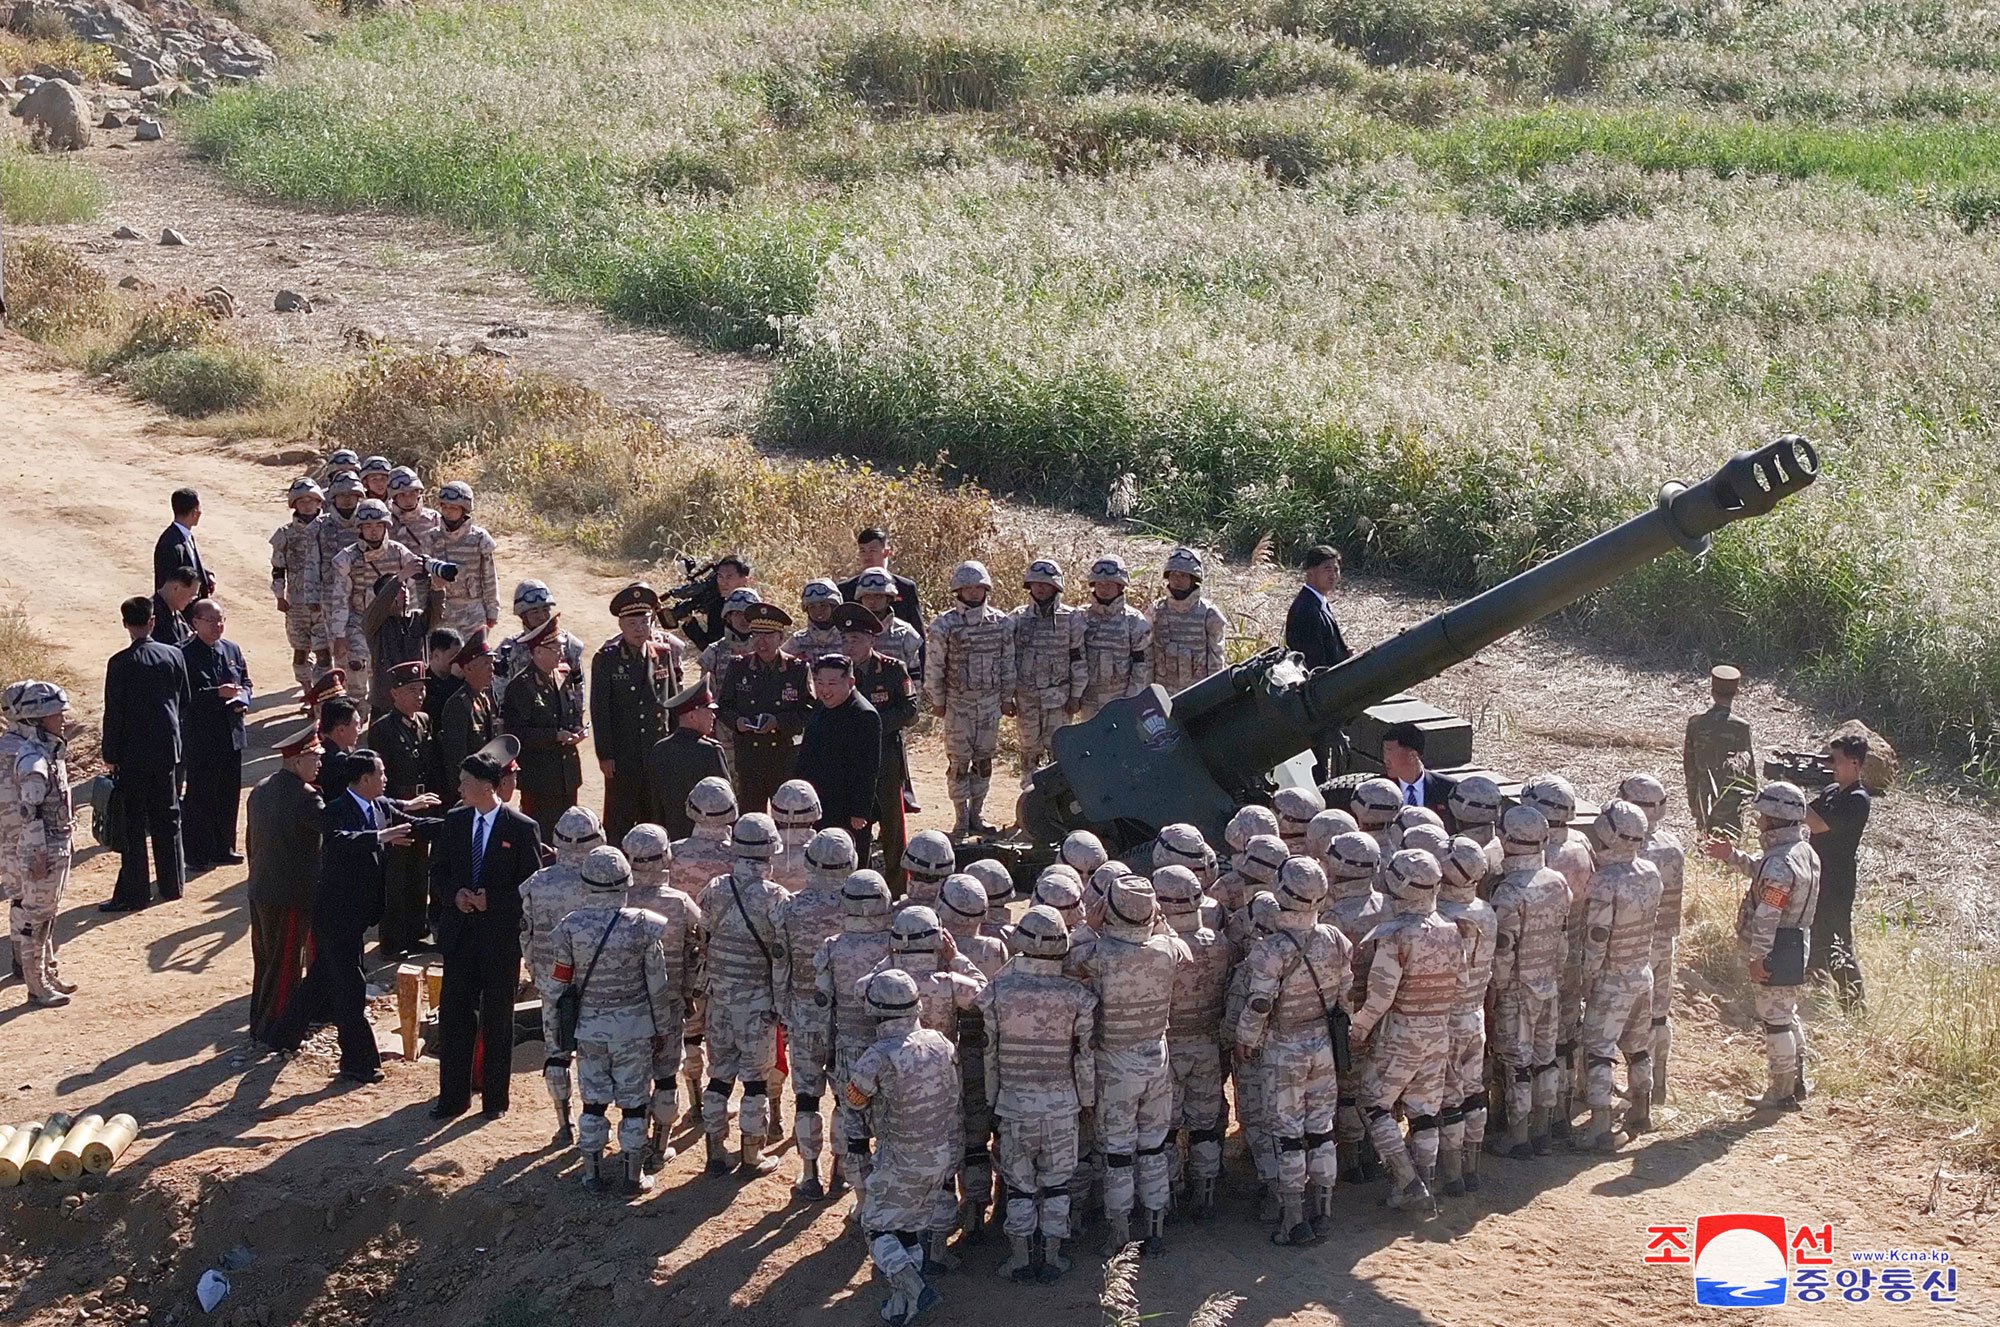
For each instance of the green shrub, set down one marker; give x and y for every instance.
(903, 71)
(203, 381)
(160, 325)
(47, 191)
(52, 293)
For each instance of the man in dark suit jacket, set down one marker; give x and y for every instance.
(356, 829)
(172, 604)
(873, 541)
(212, 739)
(1403, 761)
(282, 835)
(841, 753)
(479, 859)
(1312, 631)
(175, 548)
(145, 690)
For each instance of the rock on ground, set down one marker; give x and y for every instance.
(58, 116)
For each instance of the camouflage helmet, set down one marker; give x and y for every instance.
(375, 465)
(1043, 571)
(606, 869)
(754, 838)
(302, 487)
(1083, 852)
(1413, 876)
(403, 480)
(1182, 845)
(1552, 795)
(994, 877)
(795, 805)
(1462, 867)
(1647, 793)
(1104, 877)
(819, 590)
(1523, 830)
(929, 855)
(831, 850)
(1042, 933)
(1262, 858)
(1184, 559)
(1354, 856)
(891, 994)
(32, 701)
(1327, 826)
(1475, 800)
(875, 580)
(457, 493)
(1408, 818)
(970, 573)
(533, 594)
(1248, 822)
(1130, 902)
(1427, 838)
(712, 802)
(372, 511)
(646, 844)
(913, 930)
(1110, 568)
(11, 694)
(1263, 908)
(1301, 885)
(1781, 802)
(864, 894)
(1178, 889)
(964, 897)
(1296, 807)
(1376, 802)
(344, 482)
(740, 600)
(1621, 829)
(578, 831)
(1059, 889)
(342, 458)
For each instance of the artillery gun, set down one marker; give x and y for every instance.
(1156, 759)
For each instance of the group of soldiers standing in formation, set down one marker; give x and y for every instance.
(1374, 984)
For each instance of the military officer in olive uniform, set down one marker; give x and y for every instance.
(688, 754)
(402, 738)
(1721, 769)
(764, 698)
(471, 715)
(543, 712)
(631, 675)
(886, 683)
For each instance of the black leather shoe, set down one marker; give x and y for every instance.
(443, 1112)
(116, 905)
(228, 859)
(362, 1075)
(492, 1112)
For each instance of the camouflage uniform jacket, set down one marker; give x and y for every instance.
(295, 563)
(332, 533)
(629, 975)
(971, 655)
(478, 580)
(1117, 649)
(1297, 976)
(1783, 892)
(908, 1082)
(1415, 971)
(1478, 925)
(1133, 979)
(356, 568)
(1530, 938)
(1188, 641)
(747, 961)
(1049, 668)
(838, 968)
(547, 896)
(1620, 907)
(1040, 1027)
(1201, 985)
(805, 921)
(945, 992)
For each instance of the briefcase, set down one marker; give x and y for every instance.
(107, 811)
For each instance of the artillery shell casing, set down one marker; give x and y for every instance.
(14, 1154)
(44, 1151)
(101, 1153)
(67, 1164)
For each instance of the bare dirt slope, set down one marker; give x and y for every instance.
(357, 1209)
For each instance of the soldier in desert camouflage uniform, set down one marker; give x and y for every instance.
(612, 953)
(1299, 975)
(928, 858)
(980, 940)
(345, 597)
(1049, 672)
(471, 602)
(1231, 891)
(1295, 809)
(1189, 632)
(1462, 1123)
(548, 896)
(1352, 863)
(1253, 1093)
(1194, 1038)
(875, 590)
(819, 635)
(806, 920)
(1476, 804)
(968, 676)
(295, 581)
(1376, 802)
(1413, 980)
(1531, 937)
(746, 968)
(1663, 849)
(698, 859)
(375, 472)
(1117, 639)
(1772, 925)
(795, 809)
(838, 967)
(963, 905)
(35, 806)
(1040, 1075)
(1620, 905)
(1257, 867)
(1568, 854)
(649, 850)
(907, 1081)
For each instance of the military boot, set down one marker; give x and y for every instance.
(1469, 1168)
(593, 1181)
(1204, 1199)
(691, 1081)
(1663, 1041)
(1053, 1265)
(718, 1155)
(938, 1256)
(1451, 1170)
(1020, 1264)
(1601, 1137)
(1542, 1133)
(1293, 1228)
(807, 1186)
(1515, 1141)
(1780, 1095)
(754, 1160)
(1322, 1210)
(636, 1178)
(1153, 1220)
(1639, 1115)
(1267, 1202)
(565, 1133)
(1118, 1233)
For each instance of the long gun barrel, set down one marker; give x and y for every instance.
(1150, 760)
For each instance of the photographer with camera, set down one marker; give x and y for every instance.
(1836, 817)
(357, 570)
(696, 608)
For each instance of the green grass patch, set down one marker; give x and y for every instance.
(40, 190)
(204, 381)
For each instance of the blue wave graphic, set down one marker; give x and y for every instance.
(1737, 1294)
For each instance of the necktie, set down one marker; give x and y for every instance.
(1410, 794)
(478, 845)
(368, 815)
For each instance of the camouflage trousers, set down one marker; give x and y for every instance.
(742, 1044)
(1465, 1079)
(1196, 1067)
(900, 1194)
(1038, 723)
(851, 1129)
(1135, 1102)
(971, 740)
(305, 632)
(807, 1045)
(1618, 1017)
(1253, 1110)
(1408, 1066)
(1037, 1158)
(976, 1172)
(1097, 693)
(1524, 1037)
(1350, 1124)
(555, 1063)
(1304, 1095)
(1663, 1007)
(31, 920)
(358, 665)
(1784, 1033)
(614, 1063)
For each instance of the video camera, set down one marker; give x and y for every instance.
(1809, 770)
(699, 595)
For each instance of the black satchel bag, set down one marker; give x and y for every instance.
(569, 1004)
(1787, 960)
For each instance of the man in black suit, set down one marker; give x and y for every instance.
(873, 541)
(176, 548)
(841, 753)
(172, 603)
(357, 828)
(212, 739)
(732, 573)
(478, 861)
(145, 690)
(1312, 631)
(1403, 761)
